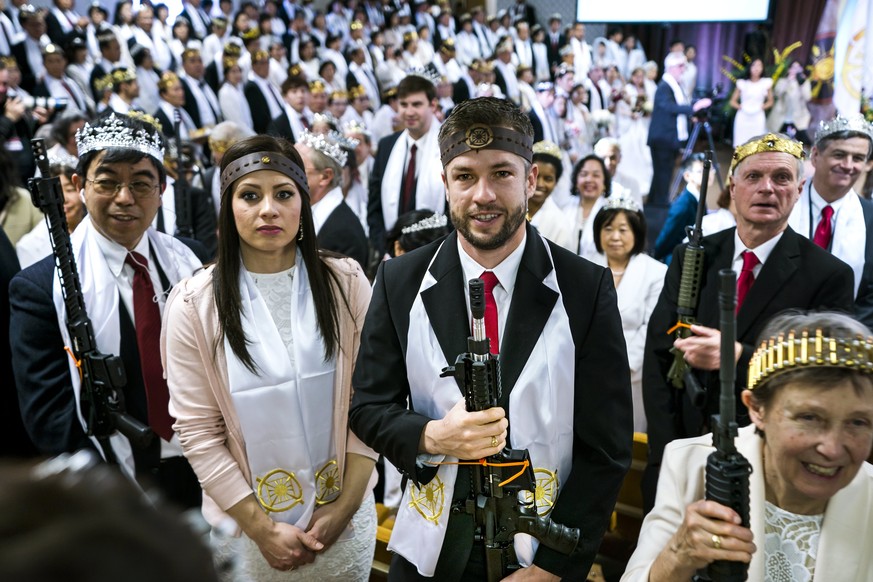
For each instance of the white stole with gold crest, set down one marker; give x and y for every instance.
(540, 420)
(286, 411)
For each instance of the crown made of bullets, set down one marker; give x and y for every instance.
(431, 75)
(326, 144)
(113, 132)
(621, 203)
(853, 123)
(431, 222)
(123, 75)
(796, 352)
(547, 148)
(767, 143)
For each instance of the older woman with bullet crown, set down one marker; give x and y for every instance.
(258, 351)
(810, 398)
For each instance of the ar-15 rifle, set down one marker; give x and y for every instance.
(184, 221)
(498, 512)
(727, 470)
(680, 374)
(102, 375)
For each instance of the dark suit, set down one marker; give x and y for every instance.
(261, 117)
(683, 212)
(342, 233)
(28, 77)
(554, 49)
(45, 390)
(191, 103)
(864, 299)
(538, 126)
(663, 140)
(601, 441)
(97, 73)
(375, 219)
(211, 76)
(168, 125)
(796, 275)
(281, 127)
(204, 224)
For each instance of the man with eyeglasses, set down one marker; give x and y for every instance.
(126, 270)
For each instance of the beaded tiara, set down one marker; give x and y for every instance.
(547, 148)
(838, 124)
(767, 143)
(326, 144)
(428, 74)
(115, 131)
(428, 223)
(778, 355)
(621, 203)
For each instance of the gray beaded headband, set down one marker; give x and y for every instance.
(480, 136)
(264, 161)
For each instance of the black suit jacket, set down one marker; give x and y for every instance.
(662, 130)
(28, 77)
(258, 104)
(554, 51)
(280, 126)
(211, 76)
(168, 125)
(375, 220)
(602, 420)
(191, 103)
(98, 72)
(537, 125)
(342, 233)
(864, 299)
(797, 275)
(204, 224)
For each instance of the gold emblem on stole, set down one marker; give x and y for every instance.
(279, 491)
(429, 500)
(327, 483)
(545, 491)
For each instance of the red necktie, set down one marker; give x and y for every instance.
(747, 277)
(409, 182)
(490, 280)
(823, 231)
(147, 316)
(72, 95)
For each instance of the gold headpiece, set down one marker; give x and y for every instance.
(357, 91)
(479, 136)
(854, 123)
(232, 49)
(168, 79)
(228, 62)
(316, 86)
(410, 36)
(260, 55)
(781, 354)
(448, 46)
(52, 49)
(9, 62)
(768, 143)
(123, 75)
(219, 146)
(104, 83)
(146, 118)
(357, 25)
(339, 95)
(548, 148)
(190, 52)
(295, 70)
(253, 33)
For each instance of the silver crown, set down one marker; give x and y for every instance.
(426, 73)
(355, 126)
(344, 141)
(621, 203)
(113, 132)
(432, 221)
(326, 144)
(839, 123)
(326, 117)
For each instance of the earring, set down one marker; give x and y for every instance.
(300, 233)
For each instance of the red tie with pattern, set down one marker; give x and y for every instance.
(409, 182)
(823, 231)
(747, 277)
(147, 317)
(490, 280)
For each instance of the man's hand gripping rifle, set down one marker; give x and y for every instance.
(680, 374)
(498, 480)
(102, 375)
(727, 470)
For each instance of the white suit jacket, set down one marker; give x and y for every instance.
(844, 553)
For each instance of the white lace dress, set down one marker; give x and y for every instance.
(351, 557)
(790, 544)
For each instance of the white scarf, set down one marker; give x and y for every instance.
(541, 417)
(430, 194)
(681, 99)
(286, 408)
(100, 291)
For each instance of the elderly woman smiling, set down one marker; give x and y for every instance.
(811, 491)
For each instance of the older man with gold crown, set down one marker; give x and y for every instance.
(777, 268)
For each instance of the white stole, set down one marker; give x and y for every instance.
(681, 99)
(540, 417)
(285, 408)
(430, 194)
(100, 291)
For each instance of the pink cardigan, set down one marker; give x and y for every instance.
(206, 420)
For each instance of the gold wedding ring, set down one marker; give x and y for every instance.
(493, 441)
(716, 541)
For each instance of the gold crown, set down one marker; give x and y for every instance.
(232, 49)
(357, 25)
(146, 118)
(295, 70)
(768, 143)
(123, 75)
(190, 52)
(410, 36)
(547, 148)
(316, 86)
(104, 83)
(260, 55)
(219, 146)
(253, 33)
(357, 91)
(339, 95)
(228, 62)
(168, 79)
(9, 62)
(781, 354)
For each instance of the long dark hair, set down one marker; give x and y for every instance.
(225, 277)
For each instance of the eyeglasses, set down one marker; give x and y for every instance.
(111, 188)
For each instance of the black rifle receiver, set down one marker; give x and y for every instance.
(680, 374)
(103, 376)
(727, 470)
(498, 512)
(184, 221)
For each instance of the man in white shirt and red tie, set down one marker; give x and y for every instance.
(831, 213)
(777, 269)
(553, 318)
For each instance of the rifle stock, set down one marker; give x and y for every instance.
(103, 376)
(498, 512)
